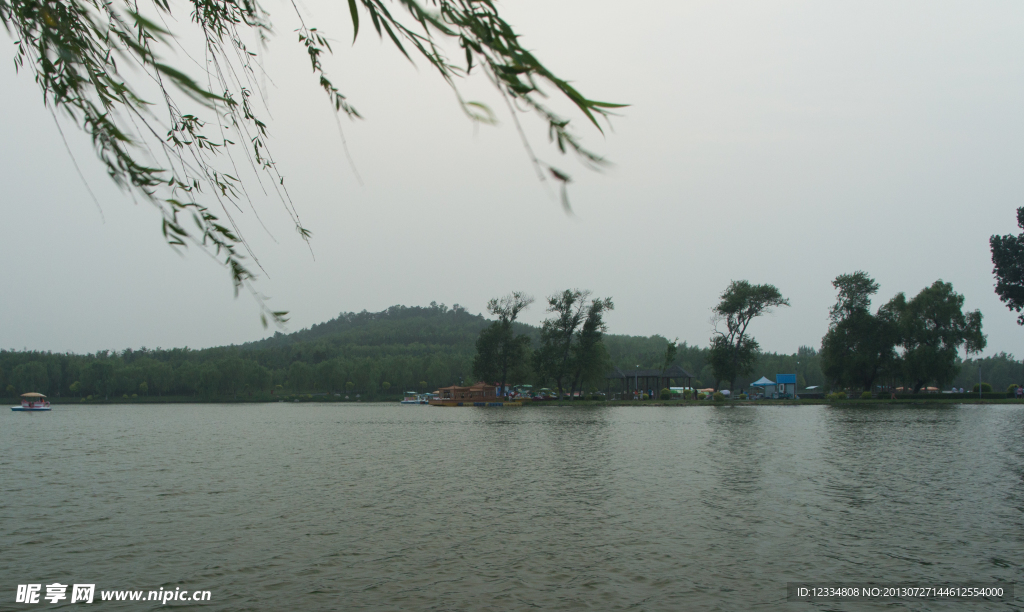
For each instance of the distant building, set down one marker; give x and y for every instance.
(643, 381)
(785, 386)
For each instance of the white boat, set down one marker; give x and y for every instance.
(32, 402)
(411, 397)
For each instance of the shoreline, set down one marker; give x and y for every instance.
(307, 399)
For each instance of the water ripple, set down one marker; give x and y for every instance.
(381, 507)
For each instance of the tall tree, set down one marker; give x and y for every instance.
(1008, 267)
(590, 359)
(732, 351)
(932, 328)
(671, 350)
(553, 359)
(858, 345)
(571, 339)
(165, 135)
(499, 351)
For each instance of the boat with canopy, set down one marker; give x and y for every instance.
(32, 402)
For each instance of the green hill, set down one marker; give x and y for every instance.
(373, 354)
(368, 353)
(398, 331)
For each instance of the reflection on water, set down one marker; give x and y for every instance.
(383, 507)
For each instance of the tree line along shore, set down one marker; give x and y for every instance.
(378, 356)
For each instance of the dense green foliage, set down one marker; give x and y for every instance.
(910, 343)
(409, 348)
(932, 327)
(501, 355)
(859, 345)
(571, 353)
(1008, 267)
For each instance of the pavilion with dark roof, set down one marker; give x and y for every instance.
(640, 379)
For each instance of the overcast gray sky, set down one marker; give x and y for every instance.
(778, 142)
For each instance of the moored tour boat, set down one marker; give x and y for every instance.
(480, 394)
(411, 397)
(32, 402)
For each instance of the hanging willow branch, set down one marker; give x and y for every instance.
(165, 153)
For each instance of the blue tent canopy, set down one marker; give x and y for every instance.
(764, 382)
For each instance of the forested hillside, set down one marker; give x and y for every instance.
(398, 349)
(379, 354)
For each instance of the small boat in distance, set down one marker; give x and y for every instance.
(411, 397)
(32, 402)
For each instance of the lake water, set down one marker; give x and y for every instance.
(388, 507)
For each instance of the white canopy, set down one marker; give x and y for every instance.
(764, 382)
